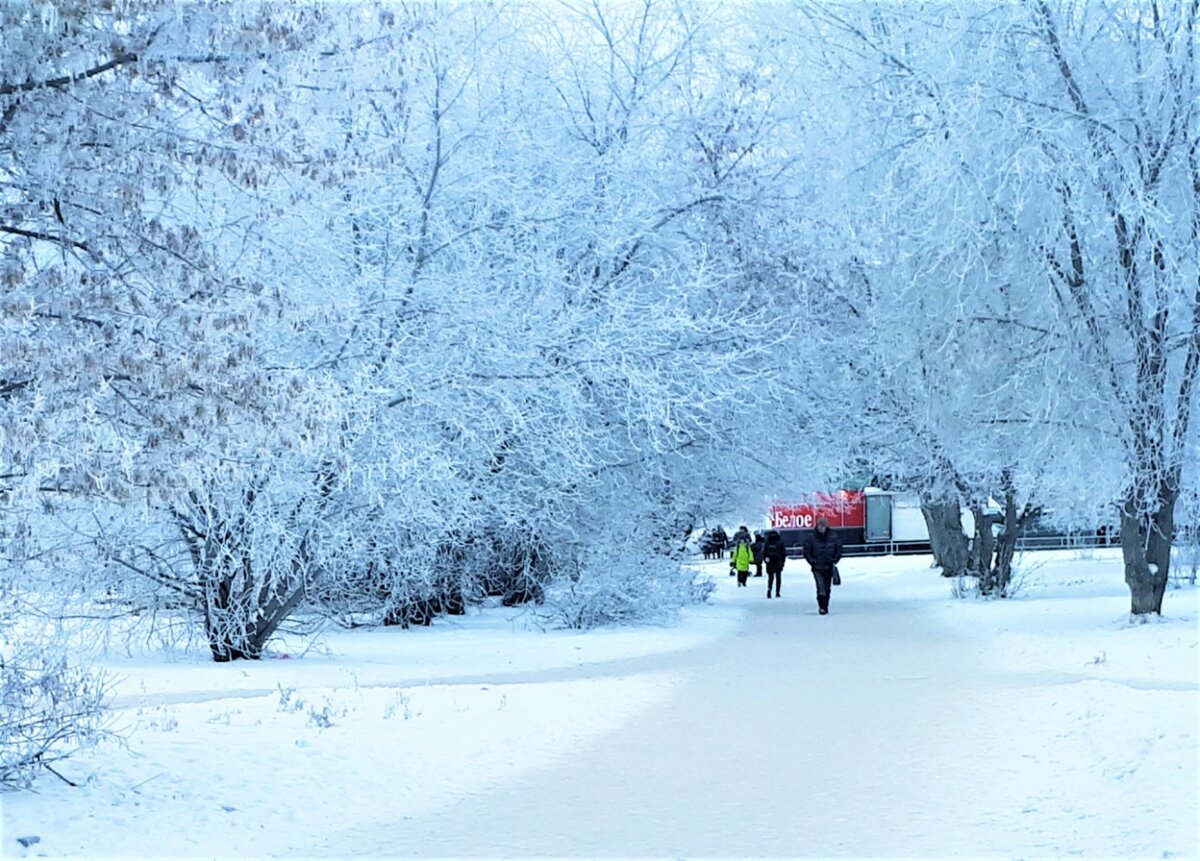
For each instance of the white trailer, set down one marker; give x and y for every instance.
(896, 518)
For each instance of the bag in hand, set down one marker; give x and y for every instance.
(837, 578)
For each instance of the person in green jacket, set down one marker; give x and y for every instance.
(742, 558)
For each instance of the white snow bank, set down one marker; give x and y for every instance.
(481, 645)
(272, 775)
(250, 759)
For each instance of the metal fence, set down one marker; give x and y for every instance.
(1065, 541)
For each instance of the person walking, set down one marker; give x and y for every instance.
(822, 551)
(710, 547)
(757, 547)
(774, 555)
(740, 535)
(720, 539)
(741, 558)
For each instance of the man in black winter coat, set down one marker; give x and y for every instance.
(822, 551)
(774, 554)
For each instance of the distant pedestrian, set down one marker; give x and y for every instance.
(720, 539)
(774, 555)
(757, 547)
(742, 534)
(741, 558)
(822, 551)
(710, 546)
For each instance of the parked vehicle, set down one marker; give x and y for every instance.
(874, 522)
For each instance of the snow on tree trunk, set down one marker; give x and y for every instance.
(1146, 548)
(1006, 544)
(1000, 572)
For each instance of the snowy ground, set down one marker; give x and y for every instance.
(906, 723)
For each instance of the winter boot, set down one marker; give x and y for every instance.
(823, 604)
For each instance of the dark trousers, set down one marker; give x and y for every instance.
(774, 578)
(824, 580)
(743, 576)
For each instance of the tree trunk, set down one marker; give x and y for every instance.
(1006, 545)
(946, 538)
(981, 550)
(1006, 541)
(1146, 548)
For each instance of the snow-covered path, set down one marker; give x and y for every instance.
(904, 724)
(873, 731)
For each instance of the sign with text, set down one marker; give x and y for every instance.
(845, 509)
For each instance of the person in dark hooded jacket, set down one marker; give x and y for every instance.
(822, 551)
(720, 538)
(774, 555)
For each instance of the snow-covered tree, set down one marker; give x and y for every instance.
(1037, 213)
(1116, 109)
(550, 346)
(141, 305)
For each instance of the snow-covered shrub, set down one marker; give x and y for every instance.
(970, 586)
(400, 703)
(384, 574)
(253, 542)
(1185, 553)
(387, 573)
(1016, 583)
(420, 598)
(624, 592)
(965, 586)
(50, 705)
(513, 565)
(49, 708)
(1185, 560)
